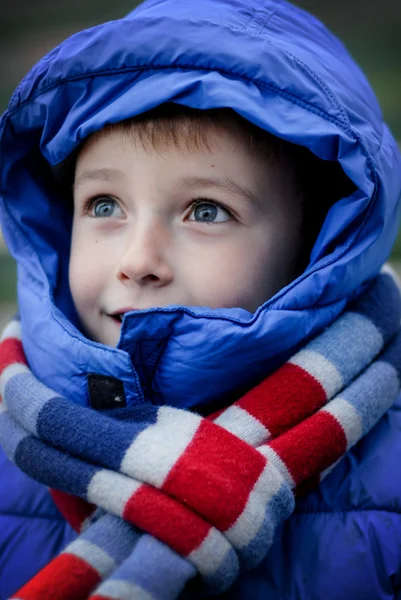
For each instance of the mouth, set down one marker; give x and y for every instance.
(118, 316)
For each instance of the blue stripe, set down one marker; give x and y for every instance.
(53, 468)
(392, 354)
(373, 393)
(381, 304)
(113, 535)
(350, 344)
(156, 568)
(25, 396)
(91, 435)
(278, 510)
(224, 576)
(11, 435)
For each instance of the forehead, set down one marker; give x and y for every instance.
(117, 153)
(173, 127)
(195, 142)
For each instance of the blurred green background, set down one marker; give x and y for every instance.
(30, 28)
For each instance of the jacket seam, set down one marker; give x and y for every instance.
(186, 66)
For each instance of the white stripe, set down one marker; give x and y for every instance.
(3, 407)
(111, 490)
(321, 369)
(210, 555)
(348, 417)
(242, 424)
(92, 554)
(276, 461)
(9, 372)
(12, 330)
(389, 270)
(156, 449)
(119, 589)
(252, 517)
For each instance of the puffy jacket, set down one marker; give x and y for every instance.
(279, 68)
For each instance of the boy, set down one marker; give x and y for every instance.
(196, 208)
(199, 242)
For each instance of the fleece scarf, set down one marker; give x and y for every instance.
(162, 496)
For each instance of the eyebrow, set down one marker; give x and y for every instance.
(98, 174)
(226, 184)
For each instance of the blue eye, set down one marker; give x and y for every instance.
(209, 212)
(105, 207)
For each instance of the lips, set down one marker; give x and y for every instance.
(118, 315)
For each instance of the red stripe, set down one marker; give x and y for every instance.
(66, 577)
(166, 519)
(74, 509)
(11, 351)
(312, 446)
(215, 475)
(284, 399)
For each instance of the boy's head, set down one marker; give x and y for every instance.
(197, 208)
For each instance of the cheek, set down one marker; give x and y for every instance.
(244, 272)
(85, 273)
(80, 283)
(227, 275)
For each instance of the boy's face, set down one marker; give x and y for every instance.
(213, 228)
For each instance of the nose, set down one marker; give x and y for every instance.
(144, 257)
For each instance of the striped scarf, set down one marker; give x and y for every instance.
(161, 495)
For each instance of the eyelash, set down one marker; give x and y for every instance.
(200, 200)
(90, 203)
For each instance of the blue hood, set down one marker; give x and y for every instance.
(275, 65)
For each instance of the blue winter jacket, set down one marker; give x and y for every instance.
(279, 68)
